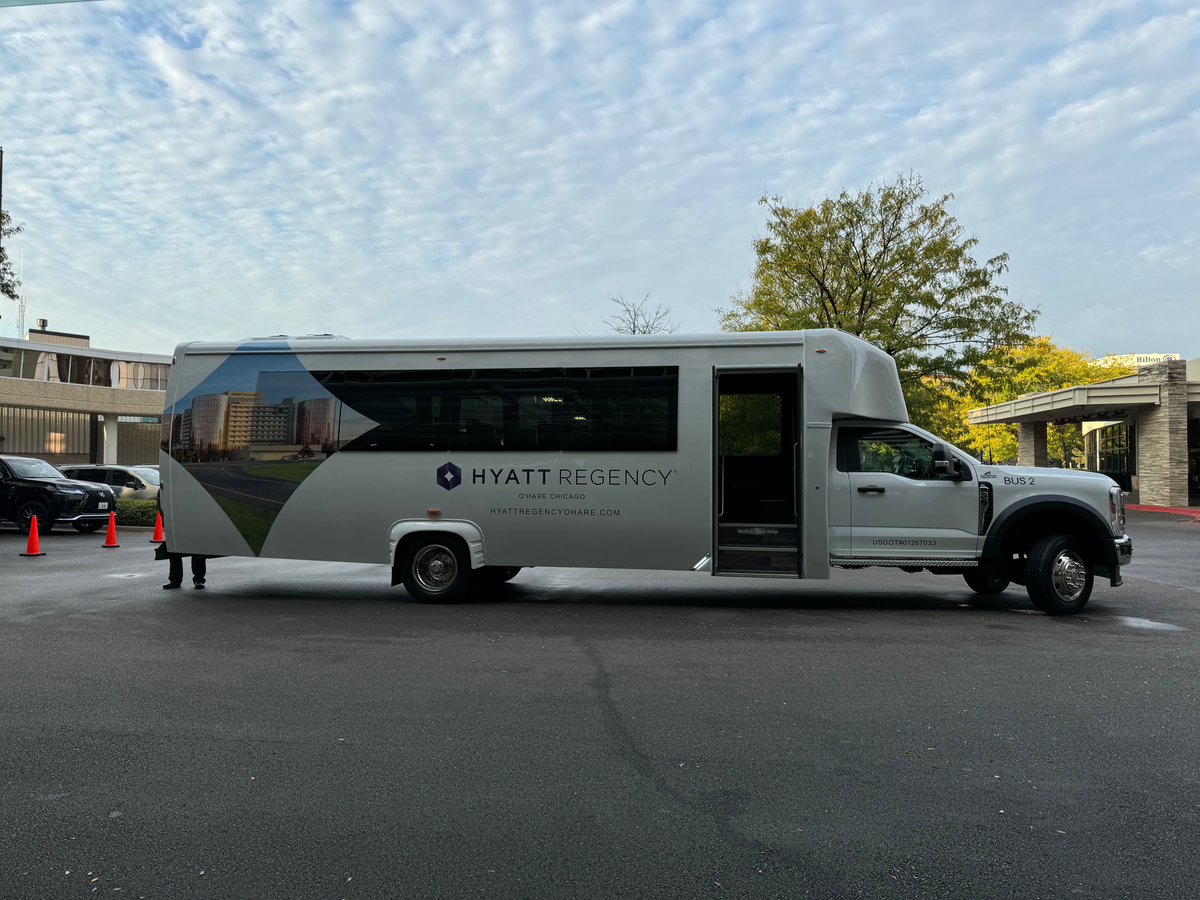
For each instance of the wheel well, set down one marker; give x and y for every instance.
(413, 537)
(35, 498)
(1022, 533)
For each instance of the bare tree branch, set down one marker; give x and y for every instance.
(635, 318)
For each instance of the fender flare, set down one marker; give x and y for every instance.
(471, 533)
(46, 499)
(1101, 530)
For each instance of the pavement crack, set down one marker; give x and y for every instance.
(718, 808)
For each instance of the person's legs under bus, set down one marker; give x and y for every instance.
(199, 570)
(174, 571)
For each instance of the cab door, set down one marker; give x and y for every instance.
(900, 508)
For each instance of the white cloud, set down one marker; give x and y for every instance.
(402, 168)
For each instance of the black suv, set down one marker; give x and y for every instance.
(32, 487)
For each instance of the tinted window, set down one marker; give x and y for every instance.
(33, 468)
(10, 362)
(506, 409)
(886, 450)
(80, 370)
(620, 408)
(96, 475)
(51, 368)
(150, 476)
(102, 372)
(394, 410)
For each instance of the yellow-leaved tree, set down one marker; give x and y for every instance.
(1038, 366)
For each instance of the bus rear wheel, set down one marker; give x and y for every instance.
(436, 569)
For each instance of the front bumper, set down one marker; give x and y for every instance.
(1117, 552)
(1124, 545)
(85, 508)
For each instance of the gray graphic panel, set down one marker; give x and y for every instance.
(251, 432)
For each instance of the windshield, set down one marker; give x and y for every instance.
(148, 475)
(33, 468)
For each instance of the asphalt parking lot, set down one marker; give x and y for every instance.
(303, 730)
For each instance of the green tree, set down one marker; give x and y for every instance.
(892, 267)
(9, 283)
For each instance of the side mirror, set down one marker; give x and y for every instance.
(943, 465)
(131, 484)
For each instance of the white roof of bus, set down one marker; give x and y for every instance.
(338, 344)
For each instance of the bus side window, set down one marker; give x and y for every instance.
(508, 409)
(391, 410)
(621, 408)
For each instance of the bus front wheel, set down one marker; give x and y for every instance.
(436, 569)
(1059, 575)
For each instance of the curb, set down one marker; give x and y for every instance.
(1191, 511)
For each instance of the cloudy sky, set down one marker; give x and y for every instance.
(217, 169)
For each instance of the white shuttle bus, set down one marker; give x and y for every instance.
(457, 463)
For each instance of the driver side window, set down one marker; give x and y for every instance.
(888, 450)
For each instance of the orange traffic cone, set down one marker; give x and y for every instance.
(158, 535)
(33, 548)
(111, 540)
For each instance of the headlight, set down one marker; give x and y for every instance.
(1116, 510)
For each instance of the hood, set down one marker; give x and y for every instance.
(998, 473)
(87, 486)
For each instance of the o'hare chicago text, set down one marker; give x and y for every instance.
(775, 454)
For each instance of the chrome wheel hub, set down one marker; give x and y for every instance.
(435, 568)
(1070, 576)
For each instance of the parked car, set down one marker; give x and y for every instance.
(127, 482)
(32, 487)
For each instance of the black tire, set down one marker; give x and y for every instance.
(983, 581)
(436, 569)
(28, 510)
(1059, 575)
(86, 527)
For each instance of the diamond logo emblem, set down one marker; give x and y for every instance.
(449, 476)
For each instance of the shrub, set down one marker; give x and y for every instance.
(136, 512)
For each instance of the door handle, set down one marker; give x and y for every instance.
(870, 489)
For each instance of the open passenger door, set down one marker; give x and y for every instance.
(756, 515)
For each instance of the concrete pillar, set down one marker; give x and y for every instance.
(109, 440)
(1031, 444)
(1162, 451)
